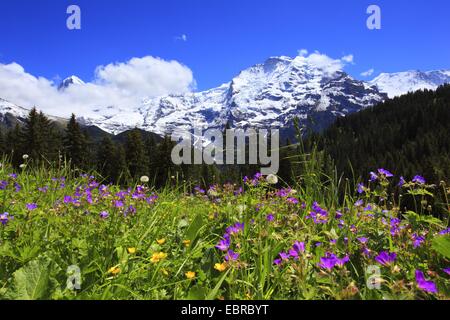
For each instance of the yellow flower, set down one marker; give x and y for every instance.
(190, 275)
(131, 250)
(157, 257)
(220, 267)
(161, 241)
(114, 271)
(187, 243)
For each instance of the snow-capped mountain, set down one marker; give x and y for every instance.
(397, 84)
(72, 80)
(266, 95)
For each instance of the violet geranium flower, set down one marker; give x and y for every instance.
(425, 285)
(386, 258)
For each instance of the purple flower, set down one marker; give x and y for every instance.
(270, 217)
(104, 214)
(292, 200)
(131, 210)
(373, 177)
(293, 253)
(359, 203)
(118, 204)
(231, 256)
(3, 184)
(277, 262)
(17, 187)
(31, 206)
(13, 176)
(419, 179)
(360, 188)
(299, 246)
(401, 182)
(385, 172)
(363, 240)
(4, 218)
(68, 199)
(386, 258)
(422, 283)
(447, 271)
(417, 240)
(341, 262)
(446, 231)
(224, 244)
(284, 256)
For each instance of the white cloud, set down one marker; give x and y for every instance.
(348, 58)
(303, 52)
(121, 85)
(183, 37)
(367, 73)
(324, 62)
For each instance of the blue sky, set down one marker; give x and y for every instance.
(223, 37)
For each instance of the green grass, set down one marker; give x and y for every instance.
(149, 253)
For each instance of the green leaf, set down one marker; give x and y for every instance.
(442, 245)
(194, 228)
(32, 282)
(196, 293)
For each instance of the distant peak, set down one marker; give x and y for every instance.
(72, 80)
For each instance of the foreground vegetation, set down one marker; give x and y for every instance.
(65, 235)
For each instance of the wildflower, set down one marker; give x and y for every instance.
(417, 240)
(161, 241)
(31, 206)
(145, 179)
(68, 199)
(362, 240)
(402, 182)
(446, 231)
(277, 262)
(131, 250)
(23, 166)
(190, 275)
(3, 184)
(187, 243)
(292, 201)
(104, 214)
(118, 204)
(427, 286)
(359, 203)
(25, 157)
(361, 188)
(12, 176)
(157, 257)
(270, 217)
(299, 247)
(328, 262)
(4, 218)
(386, 258)
(419, 180)
(272, 179)
(224, 244)
(447, 271)
(114, 270)
(373, 177)
(231, 256)
(221, 267)
(284, 256)
(385, 173)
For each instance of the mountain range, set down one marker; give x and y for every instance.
(266, 95)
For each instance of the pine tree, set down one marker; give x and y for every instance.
(75, 146)
(136, 156)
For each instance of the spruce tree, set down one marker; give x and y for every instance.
(75, 146)
(136, 156)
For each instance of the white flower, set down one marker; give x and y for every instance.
(145, 179)
(272, 179)
(23, 166)
(25, 157)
